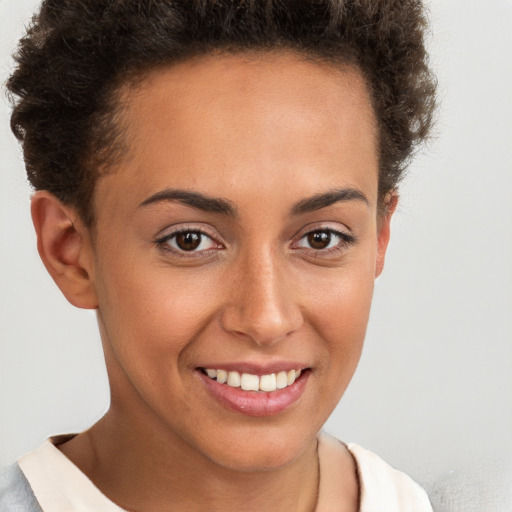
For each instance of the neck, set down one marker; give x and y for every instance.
(160, 472)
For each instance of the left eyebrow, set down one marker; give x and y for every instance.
(194, 200)
(319, 201)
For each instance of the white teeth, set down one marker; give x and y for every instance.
(282, 380)
(234, 379)
(250, 382)
(268, 382)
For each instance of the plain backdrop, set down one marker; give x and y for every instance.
(432, 394)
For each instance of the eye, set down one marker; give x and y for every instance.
(187, 241)
(325, 239)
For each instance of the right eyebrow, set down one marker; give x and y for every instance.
(319, 201)
(194, 200)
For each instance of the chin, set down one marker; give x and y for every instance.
(263, 449)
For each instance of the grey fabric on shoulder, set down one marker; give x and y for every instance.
(479, 487)
(15, 492)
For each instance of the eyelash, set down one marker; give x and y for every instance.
(345, 241)
(163, 242)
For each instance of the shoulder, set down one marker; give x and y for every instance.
(15, 492)
(382, 484)
(476, 484)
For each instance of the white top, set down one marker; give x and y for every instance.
(60, 486)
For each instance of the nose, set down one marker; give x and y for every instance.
(262, 306)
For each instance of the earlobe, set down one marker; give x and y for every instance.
(64, 246)
(384, 230)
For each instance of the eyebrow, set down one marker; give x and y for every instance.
(319, 201)
(218, 205)
(193, 199)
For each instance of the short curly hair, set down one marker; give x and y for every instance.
(77, 54)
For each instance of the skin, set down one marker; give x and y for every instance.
(264, 134)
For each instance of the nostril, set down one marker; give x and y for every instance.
(264, 326)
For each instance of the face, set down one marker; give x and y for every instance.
(238, 240)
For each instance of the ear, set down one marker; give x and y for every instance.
(384, 230)
(65, 247)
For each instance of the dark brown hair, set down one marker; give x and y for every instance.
(77, 53)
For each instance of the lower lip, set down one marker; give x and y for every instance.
(256, 403)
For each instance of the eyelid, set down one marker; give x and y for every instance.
(347, 239)
(333, 227)
(172, 231)
(182, 227)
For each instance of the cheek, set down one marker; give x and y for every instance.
(151, 315)
(348, 305)
(339, 312)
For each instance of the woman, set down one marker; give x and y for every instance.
(216, 179)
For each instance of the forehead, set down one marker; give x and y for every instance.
(253, 119)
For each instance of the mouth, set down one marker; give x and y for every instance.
(252, 382)
(255, 394)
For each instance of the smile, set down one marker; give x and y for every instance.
(250, 382)
(255, 394)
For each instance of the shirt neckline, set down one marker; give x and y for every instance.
(60, 486)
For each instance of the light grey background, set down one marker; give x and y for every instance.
(433, 391)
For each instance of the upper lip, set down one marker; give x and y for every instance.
(256, 368)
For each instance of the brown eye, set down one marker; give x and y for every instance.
(319, 239)
(189, 240)
(325, 241)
